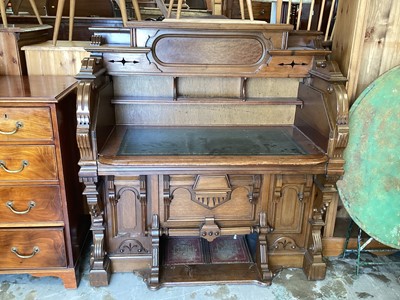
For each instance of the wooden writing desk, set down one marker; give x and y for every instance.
(209, 150)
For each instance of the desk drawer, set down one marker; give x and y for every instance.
(30, 204)
(25, 124)
(27, 163)
(32, 248)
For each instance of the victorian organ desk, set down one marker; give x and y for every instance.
(209, 151)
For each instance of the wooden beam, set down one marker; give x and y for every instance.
(381, 44)
(348, 40)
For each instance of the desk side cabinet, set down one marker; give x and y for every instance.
(42, 224)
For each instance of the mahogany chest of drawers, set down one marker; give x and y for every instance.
(42, 218)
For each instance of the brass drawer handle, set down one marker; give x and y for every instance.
(18, 125)
(31, 205)
(4, 167)
(34, 251)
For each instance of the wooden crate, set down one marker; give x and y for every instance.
(12, 39)
(63, 59)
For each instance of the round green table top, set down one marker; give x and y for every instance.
(370, 188)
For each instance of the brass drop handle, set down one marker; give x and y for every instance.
(34, 251)
(18, 125)
(4, 167)
(31, 205)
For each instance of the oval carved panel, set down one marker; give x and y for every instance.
(208, 50)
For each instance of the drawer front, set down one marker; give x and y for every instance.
(27, 163)
(25, 124)
(30, 204)
(32, 248)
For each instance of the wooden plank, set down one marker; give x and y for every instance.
(333, 246)
(348, 40)
(381, 43)
(10, 61)
(391, 52)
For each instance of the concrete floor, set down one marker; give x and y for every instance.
(374, 282)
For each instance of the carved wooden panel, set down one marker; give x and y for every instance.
(127, 216)
(289, 66)
(126, 207)
(210, 50)
(291, 197)
(193, 51)
(128, 63)
(230, 199)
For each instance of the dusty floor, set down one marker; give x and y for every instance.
(374, 282)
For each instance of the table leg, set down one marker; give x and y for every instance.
(35, 10)
(171, 4)
(3, 13)
(137, 10)
(250, 9)
(179, 9)
(71, 18)
(124, 15)
(241, 5)
(60, 7)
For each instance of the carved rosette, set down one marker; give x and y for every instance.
(132, 246)
(283, 244)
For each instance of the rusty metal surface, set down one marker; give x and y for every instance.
(370, 188)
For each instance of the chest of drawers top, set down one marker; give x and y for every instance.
(26, 89)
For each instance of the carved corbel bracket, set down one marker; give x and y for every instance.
(155, 232)
(313, 264)
(278, 188)
(254, 190)
(340, 135)
(262, 249)
(83, 116)
(316, 225)
(328, 207)
(91, 68)
(99, 262)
